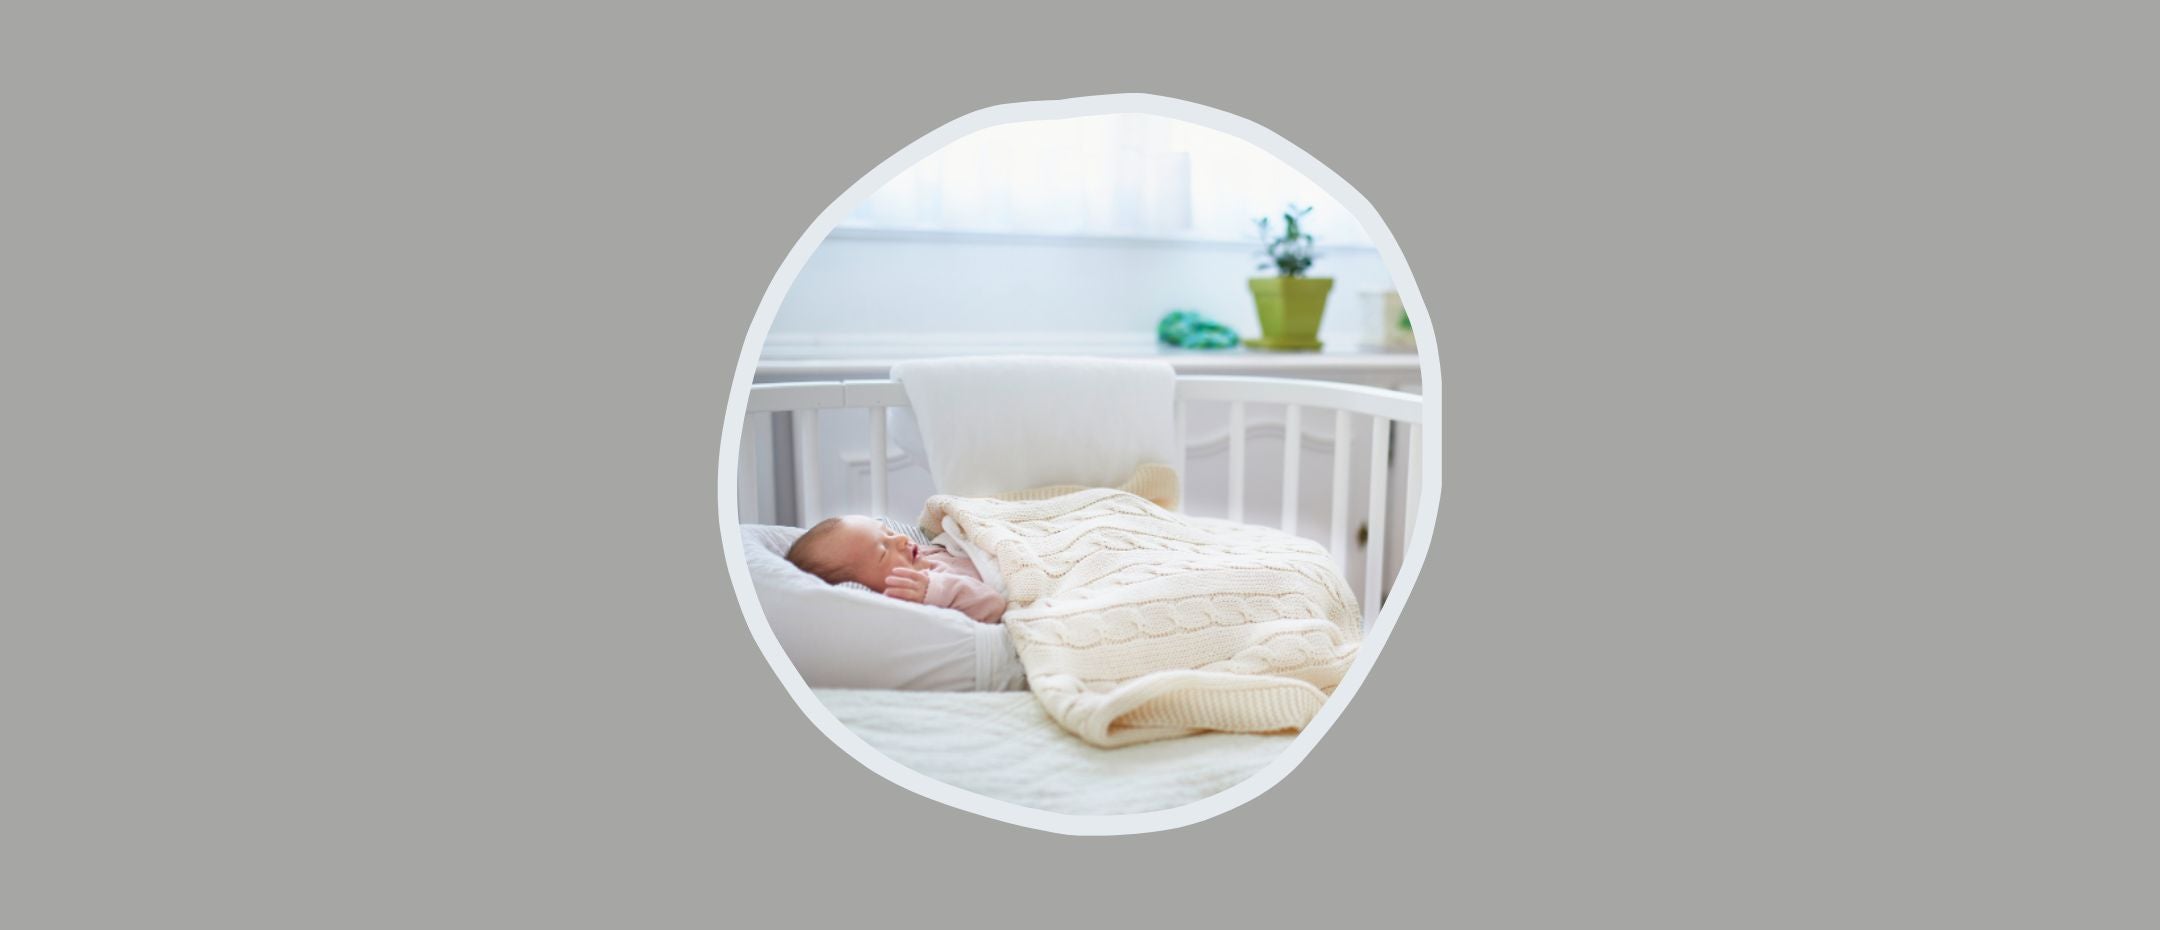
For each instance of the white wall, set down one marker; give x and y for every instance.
(860, 284)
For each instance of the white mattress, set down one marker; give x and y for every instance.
(1002, 745)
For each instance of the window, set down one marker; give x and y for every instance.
(1127, 175)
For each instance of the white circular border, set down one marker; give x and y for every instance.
(1418, 544)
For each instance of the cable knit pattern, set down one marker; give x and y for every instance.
(1135, 623)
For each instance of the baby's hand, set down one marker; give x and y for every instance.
(908, 584)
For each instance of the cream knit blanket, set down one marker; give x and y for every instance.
(1135, 623)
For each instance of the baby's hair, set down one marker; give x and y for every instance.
(809, 556)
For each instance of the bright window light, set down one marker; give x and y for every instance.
(1130, 174)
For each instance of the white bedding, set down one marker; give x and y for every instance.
(1003, 746)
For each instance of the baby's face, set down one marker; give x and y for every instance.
(871, 551)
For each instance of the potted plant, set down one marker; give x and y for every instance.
(1289, 303)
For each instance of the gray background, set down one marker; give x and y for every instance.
(364, 375)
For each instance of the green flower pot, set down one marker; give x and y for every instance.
(1290, 311)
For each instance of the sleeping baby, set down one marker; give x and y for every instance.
(862, 550)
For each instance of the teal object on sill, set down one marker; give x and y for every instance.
(1188, 329)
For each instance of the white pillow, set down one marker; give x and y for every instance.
(990, 425)
(851, 637)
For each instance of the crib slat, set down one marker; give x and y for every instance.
(761, 436)
(1376, 516)
(806, 465)
(1177, 431)
(877, 461)
(1237, 461)
(1339, 507)
(1292, 440)
(1410, 495)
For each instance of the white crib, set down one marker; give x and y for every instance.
(1383, 412)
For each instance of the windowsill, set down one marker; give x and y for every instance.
(793, 357)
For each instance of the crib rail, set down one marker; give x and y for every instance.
(1380, 409)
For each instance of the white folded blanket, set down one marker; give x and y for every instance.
(998, 424)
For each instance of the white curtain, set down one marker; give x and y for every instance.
(1120, 175)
